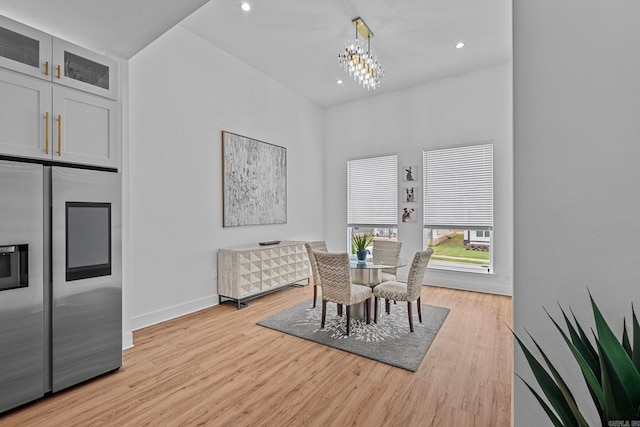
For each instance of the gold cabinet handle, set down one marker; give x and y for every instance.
(59, 137)
(58, 71)
(46, 130)
(46, 68)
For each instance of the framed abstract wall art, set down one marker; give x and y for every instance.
(254, 181)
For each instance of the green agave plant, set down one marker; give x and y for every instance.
(361, 241)
(611, 370)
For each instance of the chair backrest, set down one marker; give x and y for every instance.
(321, 246)
(386, 252)
(416, 273)
(335, 275)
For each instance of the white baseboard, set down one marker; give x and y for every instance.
(127, 340)
(477, 287)
(169, 313)
(466, 282)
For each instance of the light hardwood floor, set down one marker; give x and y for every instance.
(217, 367)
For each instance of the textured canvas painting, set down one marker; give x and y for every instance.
(254, 181)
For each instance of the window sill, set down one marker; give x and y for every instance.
(461, 268)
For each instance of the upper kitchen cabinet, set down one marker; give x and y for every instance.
(58, 101)
(26, 116)
(25, 49)
(85, 128)
(29, 51)
(85, 70)
(39, 120)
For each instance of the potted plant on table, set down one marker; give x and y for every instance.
(360, 242)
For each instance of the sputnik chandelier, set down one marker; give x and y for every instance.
(359, 61)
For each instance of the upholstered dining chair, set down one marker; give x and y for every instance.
(409, 291)
(386, 252)
(320, 246)
(335, 276)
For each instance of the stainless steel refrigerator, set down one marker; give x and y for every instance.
(60, 278)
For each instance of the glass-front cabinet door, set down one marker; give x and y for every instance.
(83, 69)
(25, 49)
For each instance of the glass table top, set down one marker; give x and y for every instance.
(354, 263)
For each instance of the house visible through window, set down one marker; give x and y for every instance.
(372, 198)
(458, 207)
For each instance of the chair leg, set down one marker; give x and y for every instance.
(410, 316)
(387, 306)
(340, 310)
(315, 295)
(419, 310)
(324, 313)
(375, 309)
(367, 310)
(348, 318)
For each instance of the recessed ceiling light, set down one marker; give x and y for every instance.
(339, 81)
(246, 6)
(460, 45)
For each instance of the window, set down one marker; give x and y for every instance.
(458, 207)
(372, 196)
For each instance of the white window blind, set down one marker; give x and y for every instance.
(372, 191)
(458, 187)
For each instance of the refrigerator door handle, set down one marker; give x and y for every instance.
(46, 133)
(59, 135)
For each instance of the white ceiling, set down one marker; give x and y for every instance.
(296, 42)
(120, 27)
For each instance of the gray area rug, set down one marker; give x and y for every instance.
(388, 341)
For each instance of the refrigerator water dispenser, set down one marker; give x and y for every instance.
(14, 267)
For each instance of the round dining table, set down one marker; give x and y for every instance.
(369, 274)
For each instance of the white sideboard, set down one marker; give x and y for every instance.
(246, 272)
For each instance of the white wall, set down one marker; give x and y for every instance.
(468, 108)
(183, 93)
(577, 174)
(123, 80)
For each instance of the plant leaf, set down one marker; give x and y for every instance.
(583, 344)
(361, 240)
(591, 378)
(636, 343)
(617, 356)
(552, 416)
(625, 338)
(549, 387)
(587, 343)
(566, 393)
(618, 406)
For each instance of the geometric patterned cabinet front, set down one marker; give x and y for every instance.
(248, 271)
